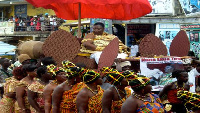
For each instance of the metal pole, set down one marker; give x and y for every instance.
(79, 21)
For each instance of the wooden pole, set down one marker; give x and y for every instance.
(79, 21)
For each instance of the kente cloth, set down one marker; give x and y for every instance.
(38, 88)
(101, 41)
(116, 105)
(190, 100)
(152, 107)
(22, 83)
(95, 102)
(68, 102)
(6, 103)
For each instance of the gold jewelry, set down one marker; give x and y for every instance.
(180, 88)
(145, 100)
(93, 91)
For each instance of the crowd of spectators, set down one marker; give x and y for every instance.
(37, 23)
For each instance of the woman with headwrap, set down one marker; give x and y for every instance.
(142, 100)
(36, 90)
(90, 97)
(9, 97)
(171, 90)
(22, 105)
(59, 76)
(118, 93)
(64, 95)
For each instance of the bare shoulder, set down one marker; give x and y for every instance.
(109, 91)
(49, 87)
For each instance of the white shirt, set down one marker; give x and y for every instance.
(191, 76)
(134, 50)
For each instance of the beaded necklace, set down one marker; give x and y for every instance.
(93, 91)
(151, 100)
(179, 88)
(55, 82)
(124, 92)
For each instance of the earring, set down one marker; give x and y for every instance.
(120, 83)
(75, 80)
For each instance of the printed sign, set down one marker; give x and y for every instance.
(159, 70)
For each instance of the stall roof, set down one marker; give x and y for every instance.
(86, 22)
(6, 49)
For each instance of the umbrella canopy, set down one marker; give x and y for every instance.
(108, 9)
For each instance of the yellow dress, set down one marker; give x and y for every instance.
(68, 102)
(116, 105)
(38, 88)
(6, 103)
(22, 83)
(95, 102)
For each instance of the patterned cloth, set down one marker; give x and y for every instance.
(101, 42)
(23, 83)
(38, 88)
(172, 96)
(166, 79)
(6, 103)
(190, 100)
(4, 74)
(116, 105)
(94, 103)
(155, 107)
(68, 104)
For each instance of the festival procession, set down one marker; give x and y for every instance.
(118, 56)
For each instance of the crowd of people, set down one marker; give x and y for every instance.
(37, 23)
(41, 86)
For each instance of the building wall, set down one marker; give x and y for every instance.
(32, 11)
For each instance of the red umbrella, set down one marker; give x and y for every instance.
(107, 9)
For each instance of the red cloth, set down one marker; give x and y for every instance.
(108, 9)
(172, 97)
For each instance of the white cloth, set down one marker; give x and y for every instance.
(134, 50)
(97, 55)
(191, 76)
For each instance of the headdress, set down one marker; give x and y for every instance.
(106, 70)
(190, 100)
(137, 83)
(129, 74)
(114, 77)
(90, 76)
(54, 70)
(67, 64)
(75, 71)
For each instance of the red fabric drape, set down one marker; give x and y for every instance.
(108, 9)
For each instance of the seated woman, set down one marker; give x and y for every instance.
(59, 76)
(114, 96)
(171, 91)
(142, 100)
(9, 97)
(90, 97)
(65, 93)
(36, 89)
(22, 105)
